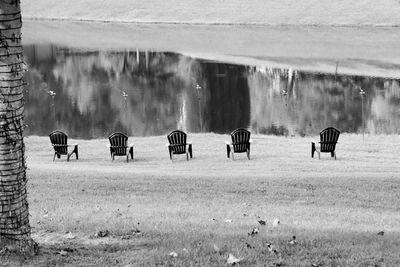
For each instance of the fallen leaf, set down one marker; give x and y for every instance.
(101, 233)
(63, 253)
(173, 254)
(271, 248)
(292, 241)
(69, 235)
(248, 245)
(232, 259)
(254, 231)
(262, 222)
(276, 222)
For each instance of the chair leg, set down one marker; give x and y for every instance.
(312, 149)
(228, 150)
(187, 156)
(190, 151)
(248, 153)
(233, 157)
(112, 156)
(334, 154)
(54, 157)
(319, 155)
(127, 158)
(131, 152)
(76, 151)
(170, 152)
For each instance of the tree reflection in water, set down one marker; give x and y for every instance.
(90, 94)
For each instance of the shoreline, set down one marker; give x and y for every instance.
(203, 23)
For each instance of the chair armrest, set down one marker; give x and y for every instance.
(108, 145)
(130, 145)
(228, 143)
(189, 143)
(167, 144)
(251, 141)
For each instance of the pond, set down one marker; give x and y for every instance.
(90, 94)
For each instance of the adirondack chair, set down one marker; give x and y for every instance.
(327, 144)
(59, 141)
(179, 145)
(118, 146)
(240, 143)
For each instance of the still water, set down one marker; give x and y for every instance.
(90, 94)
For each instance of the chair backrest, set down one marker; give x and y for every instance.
(329, 138)
(240, 140)
(118, 142)
(59, 141)
(177, 140)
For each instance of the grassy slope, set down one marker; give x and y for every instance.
(271, 12)
(335, 208)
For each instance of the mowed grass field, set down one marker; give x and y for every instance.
(206, 208)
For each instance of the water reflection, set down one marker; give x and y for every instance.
(90, 94)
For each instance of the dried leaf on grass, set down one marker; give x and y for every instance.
(232, 259)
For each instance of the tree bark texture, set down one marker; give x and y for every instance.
(15, 231)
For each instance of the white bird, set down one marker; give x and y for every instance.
(232, 259)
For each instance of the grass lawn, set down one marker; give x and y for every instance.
(334, 208)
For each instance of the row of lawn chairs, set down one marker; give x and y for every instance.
(178, 144)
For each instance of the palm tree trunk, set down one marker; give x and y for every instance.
(15, 231)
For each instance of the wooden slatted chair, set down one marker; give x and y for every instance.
(179, 145)
(118, 146)
(59, 141)
(240, 143)
(328, 140)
